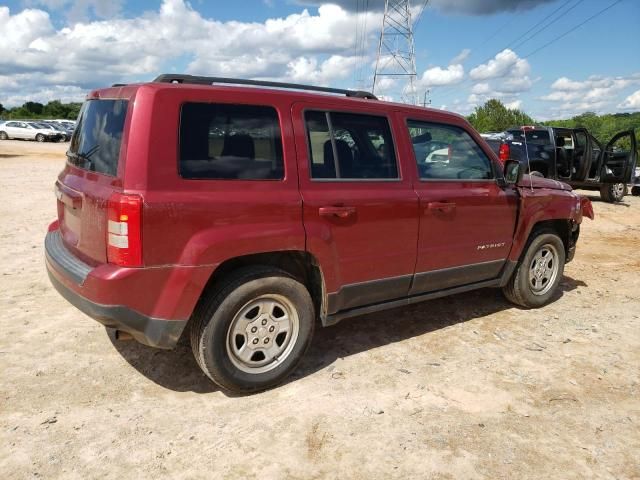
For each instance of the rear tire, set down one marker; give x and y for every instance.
(635, 191)
(250, 333)
(613, 192)
(40, 138)
(4, 136)
(538, 273)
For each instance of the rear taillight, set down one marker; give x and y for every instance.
(504, 152)
(124, 233)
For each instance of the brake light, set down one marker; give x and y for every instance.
(124, 233)
(504, 152)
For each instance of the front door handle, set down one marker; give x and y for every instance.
(445, 207)
(340, 212)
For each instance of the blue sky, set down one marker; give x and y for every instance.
(466, 50)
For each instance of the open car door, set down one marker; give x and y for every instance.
(582, 154)
(618, 159)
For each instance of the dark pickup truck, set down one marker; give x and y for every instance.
(573, 156)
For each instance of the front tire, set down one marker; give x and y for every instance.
(4, 136)
(613, 192)
(538, 274)
(251, 333)
(40, 138)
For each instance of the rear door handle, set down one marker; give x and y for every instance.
(340, 212)
(69, 197)
(441, 206)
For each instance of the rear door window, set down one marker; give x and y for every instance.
(95, 145)
(230, 142)
(350, 146)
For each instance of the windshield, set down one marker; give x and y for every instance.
(95, 145)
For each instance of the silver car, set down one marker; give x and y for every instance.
(27, 131)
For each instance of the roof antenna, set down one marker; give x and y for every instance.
(526, 149)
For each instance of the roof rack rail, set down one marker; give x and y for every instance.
(198, 80)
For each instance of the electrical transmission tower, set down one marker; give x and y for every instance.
(396, 53)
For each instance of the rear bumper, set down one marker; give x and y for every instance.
(153, 332)
(152, 304)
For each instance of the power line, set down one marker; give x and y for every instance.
(447, 89)
(447, 93)
(539, 23)
(419, 16)
(572, 29)
(363, 48)
(355, 44)
(547, 25)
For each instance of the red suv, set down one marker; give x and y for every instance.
(238, 215)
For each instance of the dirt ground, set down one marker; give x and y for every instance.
(462, 387)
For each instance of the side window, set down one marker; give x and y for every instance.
(222, 141)
(350, 146)
(12, 124)
(447, 152)
(319, 139)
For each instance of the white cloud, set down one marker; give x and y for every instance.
(632, 102)
(79, 10)
(438, 76)
(461, 57)
(481, 88)
(504, 77)
(516, 104)
(307, 70)
(596, 93)
(451, 75)
(315, 48)
(505, 63)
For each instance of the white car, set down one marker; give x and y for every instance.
(440, 155)
(27, 131)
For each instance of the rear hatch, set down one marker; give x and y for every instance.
(90, 178)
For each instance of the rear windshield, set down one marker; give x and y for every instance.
(95, 145)
(537, 137)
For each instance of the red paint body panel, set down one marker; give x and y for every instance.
(538, 205)
(379, 240)
(190, 227)
(480, 212)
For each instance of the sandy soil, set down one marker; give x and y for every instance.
(462, 387)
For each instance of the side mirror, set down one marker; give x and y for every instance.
(513, 172)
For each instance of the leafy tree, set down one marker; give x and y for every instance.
(493, 116)
(55, 109)
(2, 110)
(33, 107)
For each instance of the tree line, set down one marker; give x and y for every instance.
(35, 110)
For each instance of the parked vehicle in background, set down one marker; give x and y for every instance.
(21, 130)
(240, 216)
(68, 125)
(65, 135)
(574, 156)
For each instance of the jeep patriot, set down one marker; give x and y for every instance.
(239, 215)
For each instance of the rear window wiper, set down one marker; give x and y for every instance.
(83, 155)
